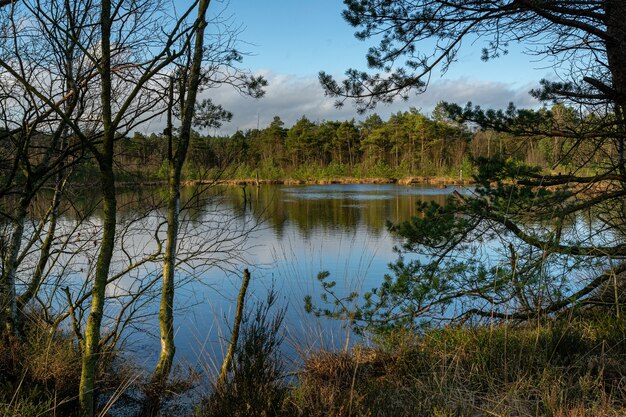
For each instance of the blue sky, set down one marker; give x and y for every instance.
(303, 37)
(289, 42)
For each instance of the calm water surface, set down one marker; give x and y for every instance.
(296, 232)
(285, 235)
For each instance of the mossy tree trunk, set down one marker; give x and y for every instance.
(9, 273)
(104, 157)
(177, 154)
(234, 337)
(166, 315)
(92, 330)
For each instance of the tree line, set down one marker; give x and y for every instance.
(407, 144)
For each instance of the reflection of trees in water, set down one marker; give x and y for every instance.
(216, 220)
(272, 204)
(212, 236)
(343, 210)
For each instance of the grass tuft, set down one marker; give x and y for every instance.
(573, 367)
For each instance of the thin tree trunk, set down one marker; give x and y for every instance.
(350, 154)
(228, 359)
(94, 321)
(166, 315)
(37, 279)
(9, 299)
(86, 395)
(177, 159)
(422, 153)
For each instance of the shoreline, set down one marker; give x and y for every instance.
(440, 181)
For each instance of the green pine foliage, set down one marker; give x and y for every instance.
(407, 144)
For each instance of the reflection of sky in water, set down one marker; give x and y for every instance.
(363, 192)
(291, 265)
(307, 229)
(289, 258)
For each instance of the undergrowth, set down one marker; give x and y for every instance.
(558, 368)
(40, 372)
(255, 386)
(574, 367)
(565, 367)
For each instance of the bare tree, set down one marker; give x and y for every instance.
(90, 72)
(124, 46)
(206, 67)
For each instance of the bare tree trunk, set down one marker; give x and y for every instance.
(9, 299)
(350, 153)
(35, 283)
(86, 395)
(422, 153)
(94, 321)
(176, 161)
(228, 359)
(166, 316)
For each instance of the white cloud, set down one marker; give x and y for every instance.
(292, 97)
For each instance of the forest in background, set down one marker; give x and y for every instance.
(536, 329)
(407, 144)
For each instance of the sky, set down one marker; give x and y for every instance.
(290, 41)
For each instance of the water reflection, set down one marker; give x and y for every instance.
(304, 230)
(345, 207)
(285, 235)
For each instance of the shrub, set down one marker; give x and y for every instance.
(255, 386)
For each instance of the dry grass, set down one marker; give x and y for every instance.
(573, 368)
(40, 373)
(570, 367)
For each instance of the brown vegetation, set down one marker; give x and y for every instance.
(569, 368)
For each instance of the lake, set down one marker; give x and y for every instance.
(293, 233)
(285, 235)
